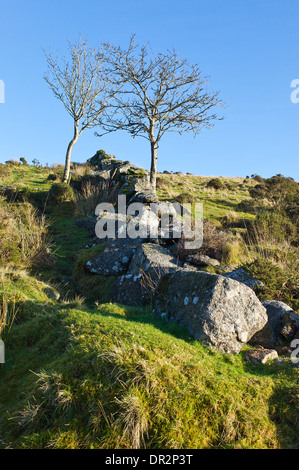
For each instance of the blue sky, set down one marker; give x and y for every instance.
(249, 48)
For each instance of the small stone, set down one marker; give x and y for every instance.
(261, 355)
(202, 260)
(52, 293)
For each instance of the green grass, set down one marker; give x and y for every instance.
(216, 203)
(28, 176)
(116, 377)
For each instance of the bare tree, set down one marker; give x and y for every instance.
(160, 94)
(81, 83)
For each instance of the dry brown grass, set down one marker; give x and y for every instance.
(133, 418)
(214, 243)
(92, 195)
(24, 235)
(8, 312)
(80, 170)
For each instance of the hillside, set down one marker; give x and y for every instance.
(83, 372)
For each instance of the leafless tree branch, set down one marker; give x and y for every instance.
(159, 94)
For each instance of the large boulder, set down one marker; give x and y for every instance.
(149, 263)
(241, 275)
(115, 257)
(219, 312)
(131, 289)
(145, 197)
(153, 261)
(282, 325)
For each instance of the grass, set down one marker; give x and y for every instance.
(27, 176)
(116, 377)
(216, 203)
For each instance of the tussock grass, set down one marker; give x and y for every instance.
(116, 377)
(91, 195)
(8, 312)
(23, 235)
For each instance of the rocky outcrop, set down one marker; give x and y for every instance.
(282, 325)
(149, 263)
(220, 312)
(130, 178)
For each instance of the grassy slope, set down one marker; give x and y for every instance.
(216, 203)
(116, 377)
(109, 376)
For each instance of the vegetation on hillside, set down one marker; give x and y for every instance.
(86, 373)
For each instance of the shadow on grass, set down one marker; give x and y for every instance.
(147, 318)
(284, 401)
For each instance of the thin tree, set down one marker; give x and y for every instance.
(160, 94)
(81, 83)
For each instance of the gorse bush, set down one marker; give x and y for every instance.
(61, 199)
(282, 193)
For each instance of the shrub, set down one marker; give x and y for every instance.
(36, 163)
(185, 198)
(23, 160)
(258, 178)
(271, 226)
(52, 177)
(216, 183)
(214, 243)
(280, 283)
(61, 199)
(61, 192)
(249, 205)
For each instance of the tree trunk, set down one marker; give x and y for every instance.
(67, 166)
(153, 173)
